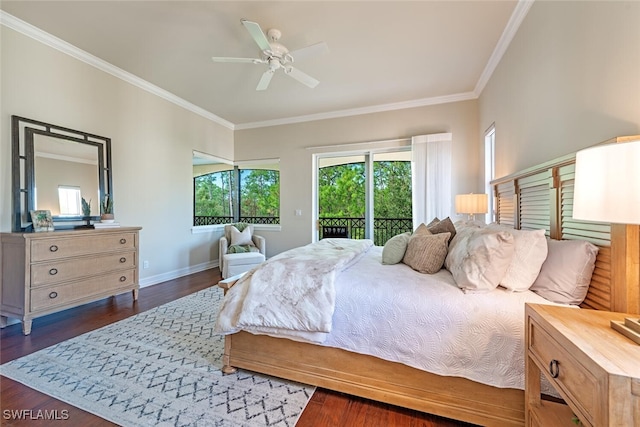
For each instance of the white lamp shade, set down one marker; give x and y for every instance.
(607, 183)
(472, 203)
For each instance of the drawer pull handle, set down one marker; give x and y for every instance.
(123, 259)
(53, 248)
(123, 241)
(53, 271)
(554, 368)
(53, 295)
(123, 278)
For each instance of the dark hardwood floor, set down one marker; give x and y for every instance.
(326, 408)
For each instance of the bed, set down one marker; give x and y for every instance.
(537, 198)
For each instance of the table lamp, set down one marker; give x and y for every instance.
(472, 204)
(607, 188)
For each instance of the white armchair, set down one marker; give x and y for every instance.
(236, 263)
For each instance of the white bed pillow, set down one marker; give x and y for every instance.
(530, 251)
(479, 257)
(566, 273)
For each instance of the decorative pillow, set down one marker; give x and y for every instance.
(426, 252)
(530, 251)
(434, 221)
(239, 226)
(241, 249)
(479, 257)
(240, 238)
(393, 251)
(443, 226)
(422, 229)
(566, 273)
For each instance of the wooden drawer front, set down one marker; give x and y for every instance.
(75, 268)
(575, 380)
(52, 296)
(49, 249)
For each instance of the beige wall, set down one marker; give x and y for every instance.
(570, 79)
(290, 143)
(152, 142)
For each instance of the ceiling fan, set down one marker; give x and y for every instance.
(277, 56)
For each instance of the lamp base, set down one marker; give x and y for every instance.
(630, 328)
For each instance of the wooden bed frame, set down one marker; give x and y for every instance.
(539, 197)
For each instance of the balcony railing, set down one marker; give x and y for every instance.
(383, 228)
(217, 220)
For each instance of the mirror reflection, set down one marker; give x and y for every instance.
(65, 171)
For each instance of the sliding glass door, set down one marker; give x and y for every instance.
(368, 195)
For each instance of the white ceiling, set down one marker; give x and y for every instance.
(382, 54)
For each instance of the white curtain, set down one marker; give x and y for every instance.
(431, 177)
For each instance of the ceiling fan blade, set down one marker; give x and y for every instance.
(244, 60)
(265, 80)
(303, 78)
(257, 34)
(309, 51)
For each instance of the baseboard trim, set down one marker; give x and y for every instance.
(170, 275)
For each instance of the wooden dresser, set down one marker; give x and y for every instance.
(595, 369)
(43, 273)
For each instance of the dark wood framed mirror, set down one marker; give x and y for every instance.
(53, 168)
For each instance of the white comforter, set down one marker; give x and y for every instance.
(291, 294)
(421, 320)
(427, 322)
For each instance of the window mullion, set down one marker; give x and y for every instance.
(368, 195)
(236, 194)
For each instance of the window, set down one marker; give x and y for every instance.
(259, 192)
(489, 168)
(213, 198)
(369, 194)
(224, 193)
(69, 198)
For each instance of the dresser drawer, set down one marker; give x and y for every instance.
(52, 272)
(53, 296)
(56, 248)
(575, 380)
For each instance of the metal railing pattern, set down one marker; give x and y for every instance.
(383, 228)
(218, 220)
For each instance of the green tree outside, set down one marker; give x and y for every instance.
(342, 190)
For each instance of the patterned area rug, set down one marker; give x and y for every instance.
(160, 368)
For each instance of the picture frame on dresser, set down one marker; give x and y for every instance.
(41, 220)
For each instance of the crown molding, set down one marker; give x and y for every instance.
(465, 96)
(43, 37)
(518, 15)
(510, 30)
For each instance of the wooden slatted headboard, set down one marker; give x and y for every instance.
(541, 197)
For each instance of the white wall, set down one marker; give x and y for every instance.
(290, 143)
(152, 143)
(569, 79)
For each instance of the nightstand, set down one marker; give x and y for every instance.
(595, 369)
